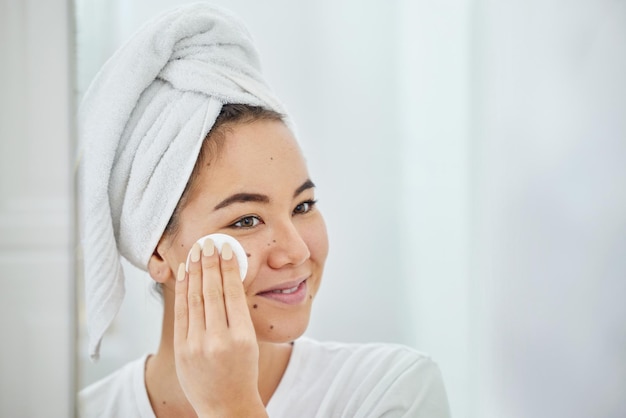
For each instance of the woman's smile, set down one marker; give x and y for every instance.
(289, 293)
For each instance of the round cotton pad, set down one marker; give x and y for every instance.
(219, 240)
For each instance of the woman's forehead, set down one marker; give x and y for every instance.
(259, 155)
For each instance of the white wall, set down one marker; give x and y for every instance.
(434, 97)
(36, 225)
(549, 169)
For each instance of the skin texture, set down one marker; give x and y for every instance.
(225, 345)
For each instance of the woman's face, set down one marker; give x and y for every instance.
(257, 189)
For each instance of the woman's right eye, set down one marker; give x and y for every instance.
(247, 222)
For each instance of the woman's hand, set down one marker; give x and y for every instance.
(215, 344)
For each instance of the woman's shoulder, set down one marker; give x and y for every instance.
(373, 361)
(122, 393)
(375, 355)
(363, 379)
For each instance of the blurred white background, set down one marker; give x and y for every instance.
(470, 158)
(37, 321)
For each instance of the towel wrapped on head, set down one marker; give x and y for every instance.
(141, 125)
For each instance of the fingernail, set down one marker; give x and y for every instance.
(181, 272)
(209, 248)
(195, 252)
(227, 251)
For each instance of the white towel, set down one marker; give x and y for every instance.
(142, 122)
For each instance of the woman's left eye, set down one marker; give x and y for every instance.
(304, 207)
(247, 222)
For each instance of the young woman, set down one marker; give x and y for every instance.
(183, 139)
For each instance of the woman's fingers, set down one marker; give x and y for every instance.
(195, 299)
(237, 313)
(181, 317)
(212, 289)
(211, 297)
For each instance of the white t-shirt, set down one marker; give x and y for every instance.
(322, 380)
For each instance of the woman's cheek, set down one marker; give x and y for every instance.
(254, 254)
(316, 237)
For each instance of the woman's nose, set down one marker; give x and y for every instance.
(287, 247)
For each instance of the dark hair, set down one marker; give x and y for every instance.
(231, 114)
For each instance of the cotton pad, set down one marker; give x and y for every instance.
(219, 240)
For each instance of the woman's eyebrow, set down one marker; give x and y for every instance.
(308, 184)
(242, 198)
(256, 197)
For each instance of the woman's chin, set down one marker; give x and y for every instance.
(278, 332)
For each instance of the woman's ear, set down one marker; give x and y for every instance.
(158, 267)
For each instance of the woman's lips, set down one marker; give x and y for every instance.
(290, 293)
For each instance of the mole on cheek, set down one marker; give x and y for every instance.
(271, 326)
(273, 240)
(255, 306)
(248, 254)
